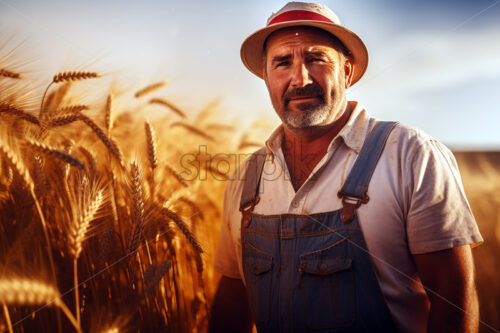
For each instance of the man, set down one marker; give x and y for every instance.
(342, 223)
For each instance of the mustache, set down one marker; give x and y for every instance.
(309, 90)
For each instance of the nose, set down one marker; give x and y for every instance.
(300, 75)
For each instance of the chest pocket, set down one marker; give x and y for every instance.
(326, 287)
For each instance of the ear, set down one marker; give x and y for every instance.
(348, 70)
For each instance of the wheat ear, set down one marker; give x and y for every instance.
(108, 142)
(9, 109)
(77, 234)
(92, 164)
(249, 144)
(138, 208)
(195, 209)
(151, 145)
(16, 164)
(220, 127)
(108, 120)
(73, 76)
(80, 227)
(63, 120)
(23, 291)
(9, 74)
(193, 130)
(72, 108)
(149, 89)
(188, 234)
(169, 105)
(66, 77)
(40, 147)
(176, 176)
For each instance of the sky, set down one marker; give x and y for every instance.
(434, 65)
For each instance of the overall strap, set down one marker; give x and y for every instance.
(354, 191)
(250, 196)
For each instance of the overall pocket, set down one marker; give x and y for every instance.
(327, 287)
(257, 266)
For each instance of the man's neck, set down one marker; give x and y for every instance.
(304, 149)
(317, 138)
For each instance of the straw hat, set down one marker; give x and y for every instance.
(304, 14)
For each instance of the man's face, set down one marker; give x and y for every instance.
(307, 76)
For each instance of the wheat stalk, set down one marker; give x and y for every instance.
(149, 89)
(9, 74)
(9, 109)
(7, 318)
(193, 130)
(54, 100)
(42, 148)
(169, 105)
(67, 148)
(40, 177)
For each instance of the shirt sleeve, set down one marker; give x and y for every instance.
(439, 215)
(226, 261)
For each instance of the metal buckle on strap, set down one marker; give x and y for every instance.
(246, 210)
(349, 206)
(250, 205)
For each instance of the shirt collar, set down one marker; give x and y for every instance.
(353, 133)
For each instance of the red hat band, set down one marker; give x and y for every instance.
(299, 15)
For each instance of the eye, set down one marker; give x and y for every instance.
(317, 60)
(283, 63)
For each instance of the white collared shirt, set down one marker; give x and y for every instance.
(417, 205)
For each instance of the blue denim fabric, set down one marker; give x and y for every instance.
(313, 273)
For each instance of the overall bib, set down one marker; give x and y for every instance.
(313, 273)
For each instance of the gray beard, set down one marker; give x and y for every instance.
(309, 115)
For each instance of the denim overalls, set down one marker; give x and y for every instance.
(313, 273)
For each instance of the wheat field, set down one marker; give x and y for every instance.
(104, 229)
(96, 236)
